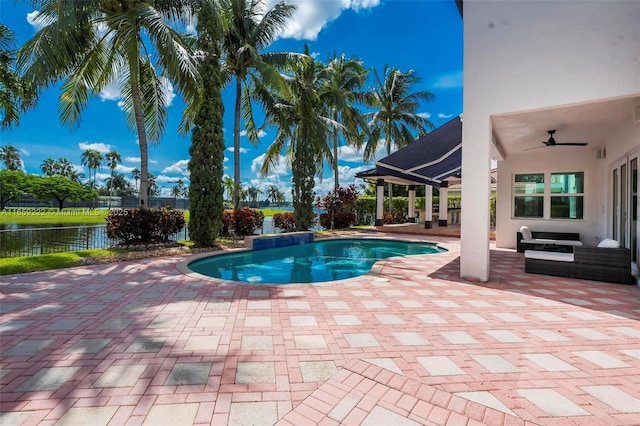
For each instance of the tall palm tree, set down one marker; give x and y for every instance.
(113, 158)
(300, 114)
(345, 80)
(48, 167)
(394, 116)
(10, 156)
(272, 193)
(16, 95)
(93, 160)
(135, 174)
(93, 43)
(247, 31)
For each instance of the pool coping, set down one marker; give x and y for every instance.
(376, 268)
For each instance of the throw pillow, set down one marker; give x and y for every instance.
(526, 233)
(609, 243)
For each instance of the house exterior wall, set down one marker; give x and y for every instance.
(526, 55)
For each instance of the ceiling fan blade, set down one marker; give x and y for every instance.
(572, 143)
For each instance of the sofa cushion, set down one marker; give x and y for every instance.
(568, 243)
(609, 243)
(526, 233)
(548, 255)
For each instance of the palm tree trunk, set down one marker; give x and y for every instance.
(142, 141)
(336, 184)
(236, 146)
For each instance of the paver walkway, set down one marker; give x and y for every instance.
(409, 344)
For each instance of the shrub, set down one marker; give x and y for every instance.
(144, 225)
(285, 222)
(394, 217)
(341, 203)
(340, 220)
(241, 222)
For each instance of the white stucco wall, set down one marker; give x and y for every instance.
(523, 55)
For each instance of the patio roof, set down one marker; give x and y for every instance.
(428, 160)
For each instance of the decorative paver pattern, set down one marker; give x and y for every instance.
(411, 343)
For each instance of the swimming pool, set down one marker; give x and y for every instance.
(320, 261)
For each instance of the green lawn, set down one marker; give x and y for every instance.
(45, 262)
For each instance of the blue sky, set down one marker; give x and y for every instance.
(422, 35)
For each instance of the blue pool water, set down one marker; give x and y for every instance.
(315, 262)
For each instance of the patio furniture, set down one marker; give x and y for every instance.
(550, 241)
(589, 263)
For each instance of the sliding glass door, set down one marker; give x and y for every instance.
(624, 219)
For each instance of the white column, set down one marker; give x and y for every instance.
(476, 193)
(412, 204)
(444, 197)
(379, 202)
(428, 206)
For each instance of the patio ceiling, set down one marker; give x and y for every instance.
(429, 160)
(590, 122)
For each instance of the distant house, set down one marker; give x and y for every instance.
(531, 67)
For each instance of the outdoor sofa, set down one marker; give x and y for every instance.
(589, 263)
(551, 241)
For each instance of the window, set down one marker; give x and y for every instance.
(564, 193)
(567, 195)
(529, 195)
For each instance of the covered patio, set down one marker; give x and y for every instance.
(435, 159)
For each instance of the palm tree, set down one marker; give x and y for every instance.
(93, 43)
(10, 156)
(394, 118)
(345, 78)
(16, 95)
(253, 193)
(247, 31)
(48, 167)
(135, 174)
(113, 158)
(303, 130)
(228, 184)
(93, 160)
(63, 167)
(272, 193)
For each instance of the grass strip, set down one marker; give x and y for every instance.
(45, 262)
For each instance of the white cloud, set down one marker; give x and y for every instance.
(124, 169)
(24, 152)
(34, 19)
(102, 176)
(171, 179)
(351, 155)
(448, 81)
(98, 146)
(242, 150)
(132, 159)
(177, 167)
(441, 115)
(280, 168)
(426, 115)
(311, 16)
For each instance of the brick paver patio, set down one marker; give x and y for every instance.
(409, 344)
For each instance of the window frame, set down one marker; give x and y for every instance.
(546, 196)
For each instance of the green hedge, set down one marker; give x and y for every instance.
(365, 207)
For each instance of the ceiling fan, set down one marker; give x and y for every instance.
(552, 141)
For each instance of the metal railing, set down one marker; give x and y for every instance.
(36, 241)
